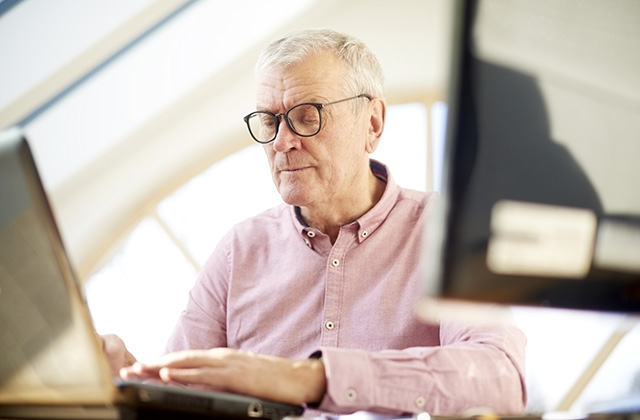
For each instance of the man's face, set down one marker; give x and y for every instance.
(321, 170)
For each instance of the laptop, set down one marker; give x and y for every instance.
(51, 361)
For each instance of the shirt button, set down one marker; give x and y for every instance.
(364, 233)
(420, 402)
(330, 325)
(335, 262)
(351, 394)
(311, 234)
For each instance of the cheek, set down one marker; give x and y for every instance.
(270, 153)
(354, 146)
(343, 149)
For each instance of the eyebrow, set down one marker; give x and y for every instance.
(313, 100)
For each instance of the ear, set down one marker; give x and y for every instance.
(376, 123)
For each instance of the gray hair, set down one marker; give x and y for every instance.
(365, 73)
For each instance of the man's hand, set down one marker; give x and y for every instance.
(223, 369)
(117, 354)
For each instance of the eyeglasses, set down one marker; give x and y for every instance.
(305, 120)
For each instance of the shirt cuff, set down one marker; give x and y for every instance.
(349, 380)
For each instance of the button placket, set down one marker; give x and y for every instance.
(335, 280)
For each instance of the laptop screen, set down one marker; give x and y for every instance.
(48, 352)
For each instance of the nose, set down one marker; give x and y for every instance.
(285, 139)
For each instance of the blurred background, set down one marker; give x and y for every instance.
(134, 111)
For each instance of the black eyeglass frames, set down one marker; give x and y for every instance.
(304, 119)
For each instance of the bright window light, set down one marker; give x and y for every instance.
(232, 190)
(403, 146)
(140, 293)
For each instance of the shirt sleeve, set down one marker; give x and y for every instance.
(202, 325)
(476, 366)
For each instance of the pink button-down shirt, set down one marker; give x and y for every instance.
(276, 286)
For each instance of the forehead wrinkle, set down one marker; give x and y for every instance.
(293, 92)
(312, 80)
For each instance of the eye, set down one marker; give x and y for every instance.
(266, 120)
(306, 115)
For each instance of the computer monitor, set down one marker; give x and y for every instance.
(541, 183)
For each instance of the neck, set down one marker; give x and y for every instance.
(329, 218)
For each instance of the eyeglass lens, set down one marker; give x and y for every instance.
(303, 119)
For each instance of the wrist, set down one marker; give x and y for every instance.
(315, 381)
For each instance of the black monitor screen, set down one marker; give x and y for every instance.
(541, 190)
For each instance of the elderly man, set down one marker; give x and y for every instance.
(312, 302)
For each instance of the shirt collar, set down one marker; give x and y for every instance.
(368, 222)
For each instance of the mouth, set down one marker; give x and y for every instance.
(293, 170)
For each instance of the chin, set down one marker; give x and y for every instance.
(294, 198)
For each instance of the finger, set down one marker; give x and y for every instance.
(211, 378)
(138, 371)
(129, 359)
(189, 359)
